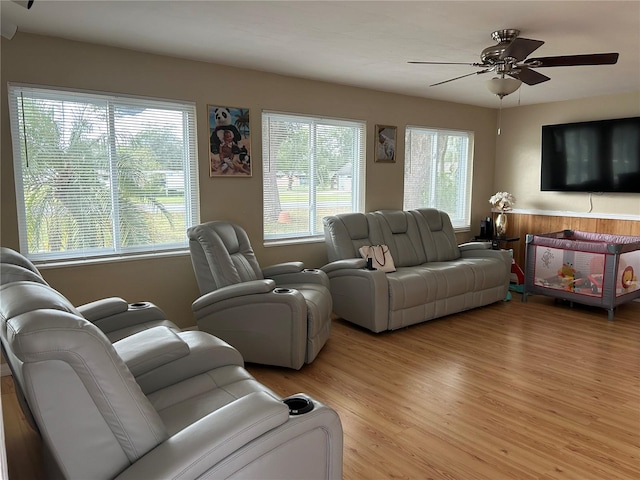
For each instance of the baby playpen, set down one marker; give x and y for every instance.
(582, 267)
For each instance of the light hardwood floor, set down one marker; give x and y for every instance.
(534, 390)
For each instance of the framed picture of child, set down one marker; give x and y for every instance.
(229, 142)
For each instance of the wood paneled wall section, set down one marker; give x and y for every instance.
(521, 224)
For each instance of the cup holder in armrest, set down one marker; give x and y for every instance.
(310, 270)
(282, 290)
(139, 305)
(298, 405)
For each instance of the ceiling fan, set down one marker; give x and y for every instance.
(509, 59)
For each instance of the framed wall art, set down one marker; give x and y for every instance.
(229, 142)
(385, 138)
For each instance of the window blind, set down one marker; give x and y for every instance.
(102, 175)
(438, 172)
(312, 167)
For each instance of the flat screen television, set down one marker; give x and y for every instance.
(597, 156)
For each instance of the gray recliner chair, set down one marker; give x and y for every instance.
(15, 267)
(279, 315)
(164, 408)
(116, 317)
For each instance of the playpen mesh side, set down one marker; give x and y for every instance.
(583, 267)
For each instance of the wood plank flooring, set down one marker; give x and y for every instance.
(534, 390)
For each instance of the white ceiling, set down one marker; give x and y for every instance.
(362, 43)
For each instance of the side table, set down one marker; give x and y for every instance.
(496, 242)
(517, 275)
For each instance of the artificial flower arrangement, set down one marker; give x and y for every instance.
(503, 201)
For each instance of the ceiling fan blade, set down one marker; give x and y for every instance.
(528, 76)
(521, 48)
(462, 76)
(447, 63)
(573, 60)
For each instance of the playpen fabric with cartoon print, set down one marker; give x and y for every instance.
(583, 267)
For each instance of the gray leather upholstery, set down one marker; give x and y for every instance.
(279, 315)
(15, 273)
(114, 316)
(9, 256)
(15, 267)
(118, 319)
(434, 275)
(180, 417)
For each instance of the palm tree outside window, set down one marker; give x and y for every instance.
(99, 175)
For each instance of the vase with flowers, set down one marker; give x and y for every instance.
(503, 202)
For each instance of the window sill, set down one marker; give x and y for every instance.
(47, 264)
(292, 241)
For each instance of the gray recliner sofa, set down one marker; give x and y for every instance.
(154, 404)
(434, 275)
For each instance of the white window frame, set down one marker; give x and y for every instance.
(188, 177)
(314, 230)
(460, 211)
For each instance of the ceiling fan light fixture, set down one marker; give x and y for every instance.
(503, 86)
(24, 3)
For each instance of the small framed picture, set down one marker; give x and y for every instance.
(385, 139)
(229, 142)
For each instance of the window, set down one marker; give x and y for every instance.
(437, 172)
(101, 175)
(313, 167)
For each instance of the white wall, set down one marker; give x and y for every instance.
(517, 168)
(169, 282)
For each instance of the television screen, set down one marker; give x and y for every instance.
(598, 156)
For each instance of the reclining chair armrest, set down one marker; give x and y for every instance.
(347, 263)
(194, 450)
(119, 319)
(268, 326)
(359, 295)
(206, 353)
(282, 268)
(103, 308)
(465, 247)
(307, 275)
(231, 291)
(487, 252)
(504, 255)
(147, 350)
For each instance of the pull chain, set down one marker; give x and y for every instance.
(500, 116)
